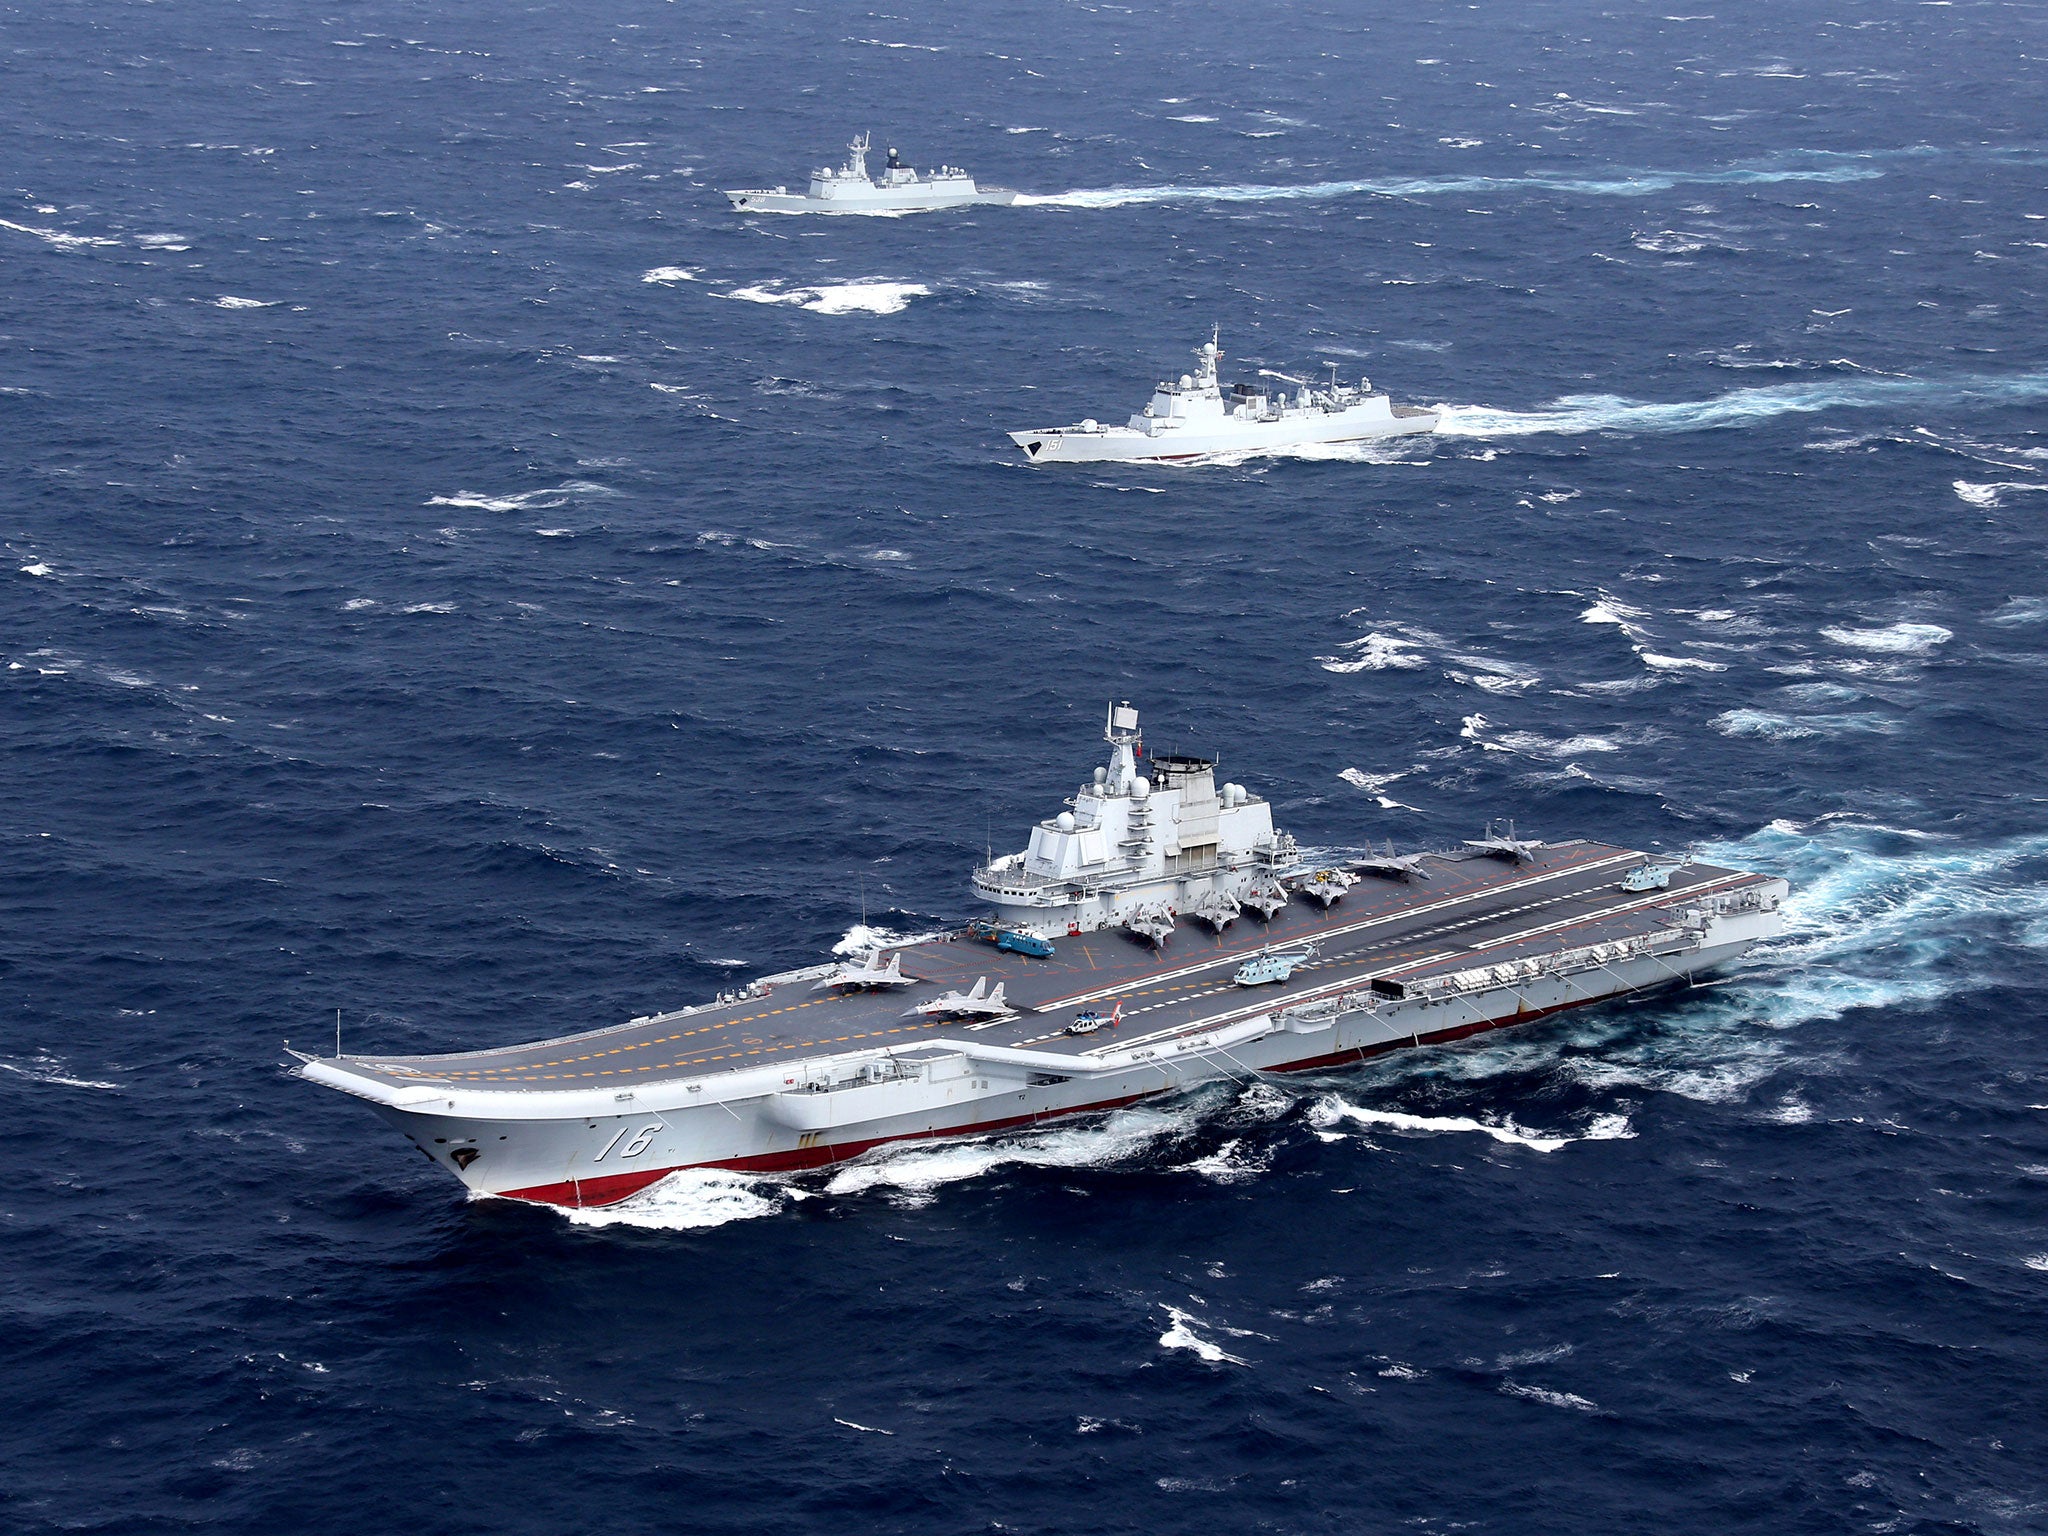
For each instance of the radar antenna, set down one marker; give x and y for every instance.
(1122, 727)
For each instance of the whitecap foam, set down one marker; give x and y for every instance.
(1375, 784)
(1905, 639)
(1567, 747)
(229, 301)
(1771, 726)
(2021, 610)
(868, 296)
(668, 275)
(1680, 663)
(1611, 610)
(1180, 1334)
(1231, 1163)
(688, 1201)
(543, 500)
(1374, 653)
(38, 568)
(1990, 494)
(1628, 619)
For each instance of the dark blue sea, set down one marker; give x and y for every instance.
(459, 573)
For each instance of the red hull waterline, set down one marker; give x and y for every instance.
(587, 1194)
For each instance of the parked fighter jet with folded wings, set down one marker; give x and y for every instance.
(976, 1003)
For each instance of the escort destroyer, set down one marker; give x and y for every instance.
(1197, 417)
(1178, 937)
(850, 189)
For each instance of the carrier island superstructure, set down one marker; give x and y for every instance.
(1156, 933)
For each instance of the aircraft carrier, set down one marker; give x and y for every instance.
(1156, 933)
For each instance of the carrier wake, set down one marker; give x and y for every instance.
(1157, 932)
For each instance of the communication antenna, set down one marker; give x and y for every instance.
(337, 1032)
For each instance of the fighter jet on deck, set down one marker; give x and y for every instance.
(977, 1003)
(1505, 845)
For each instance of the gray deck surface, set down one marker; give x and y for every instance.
(1473, 910)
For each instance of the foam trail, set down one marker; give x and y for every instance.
(46, 1068)
(1878, 917)
(1330, 1110)
(915, 1172)
(1869, 925)
(1813, 166)
(686, 1202)
(1740, 407)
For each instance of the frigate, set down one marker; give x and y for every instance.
(1197, 417)
(953, 1036)
(850, 189)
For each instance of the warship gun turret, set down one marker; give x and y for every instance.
(951, 1037)
(1198, 417)
(850, 189)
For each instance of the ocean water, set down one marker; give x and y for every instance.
(459, 574)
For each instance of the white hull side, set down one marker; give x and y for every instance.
(890, 203)
(615, 1145)
(1122, 444)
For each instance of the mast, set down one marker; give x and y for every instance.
(1121, 731)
